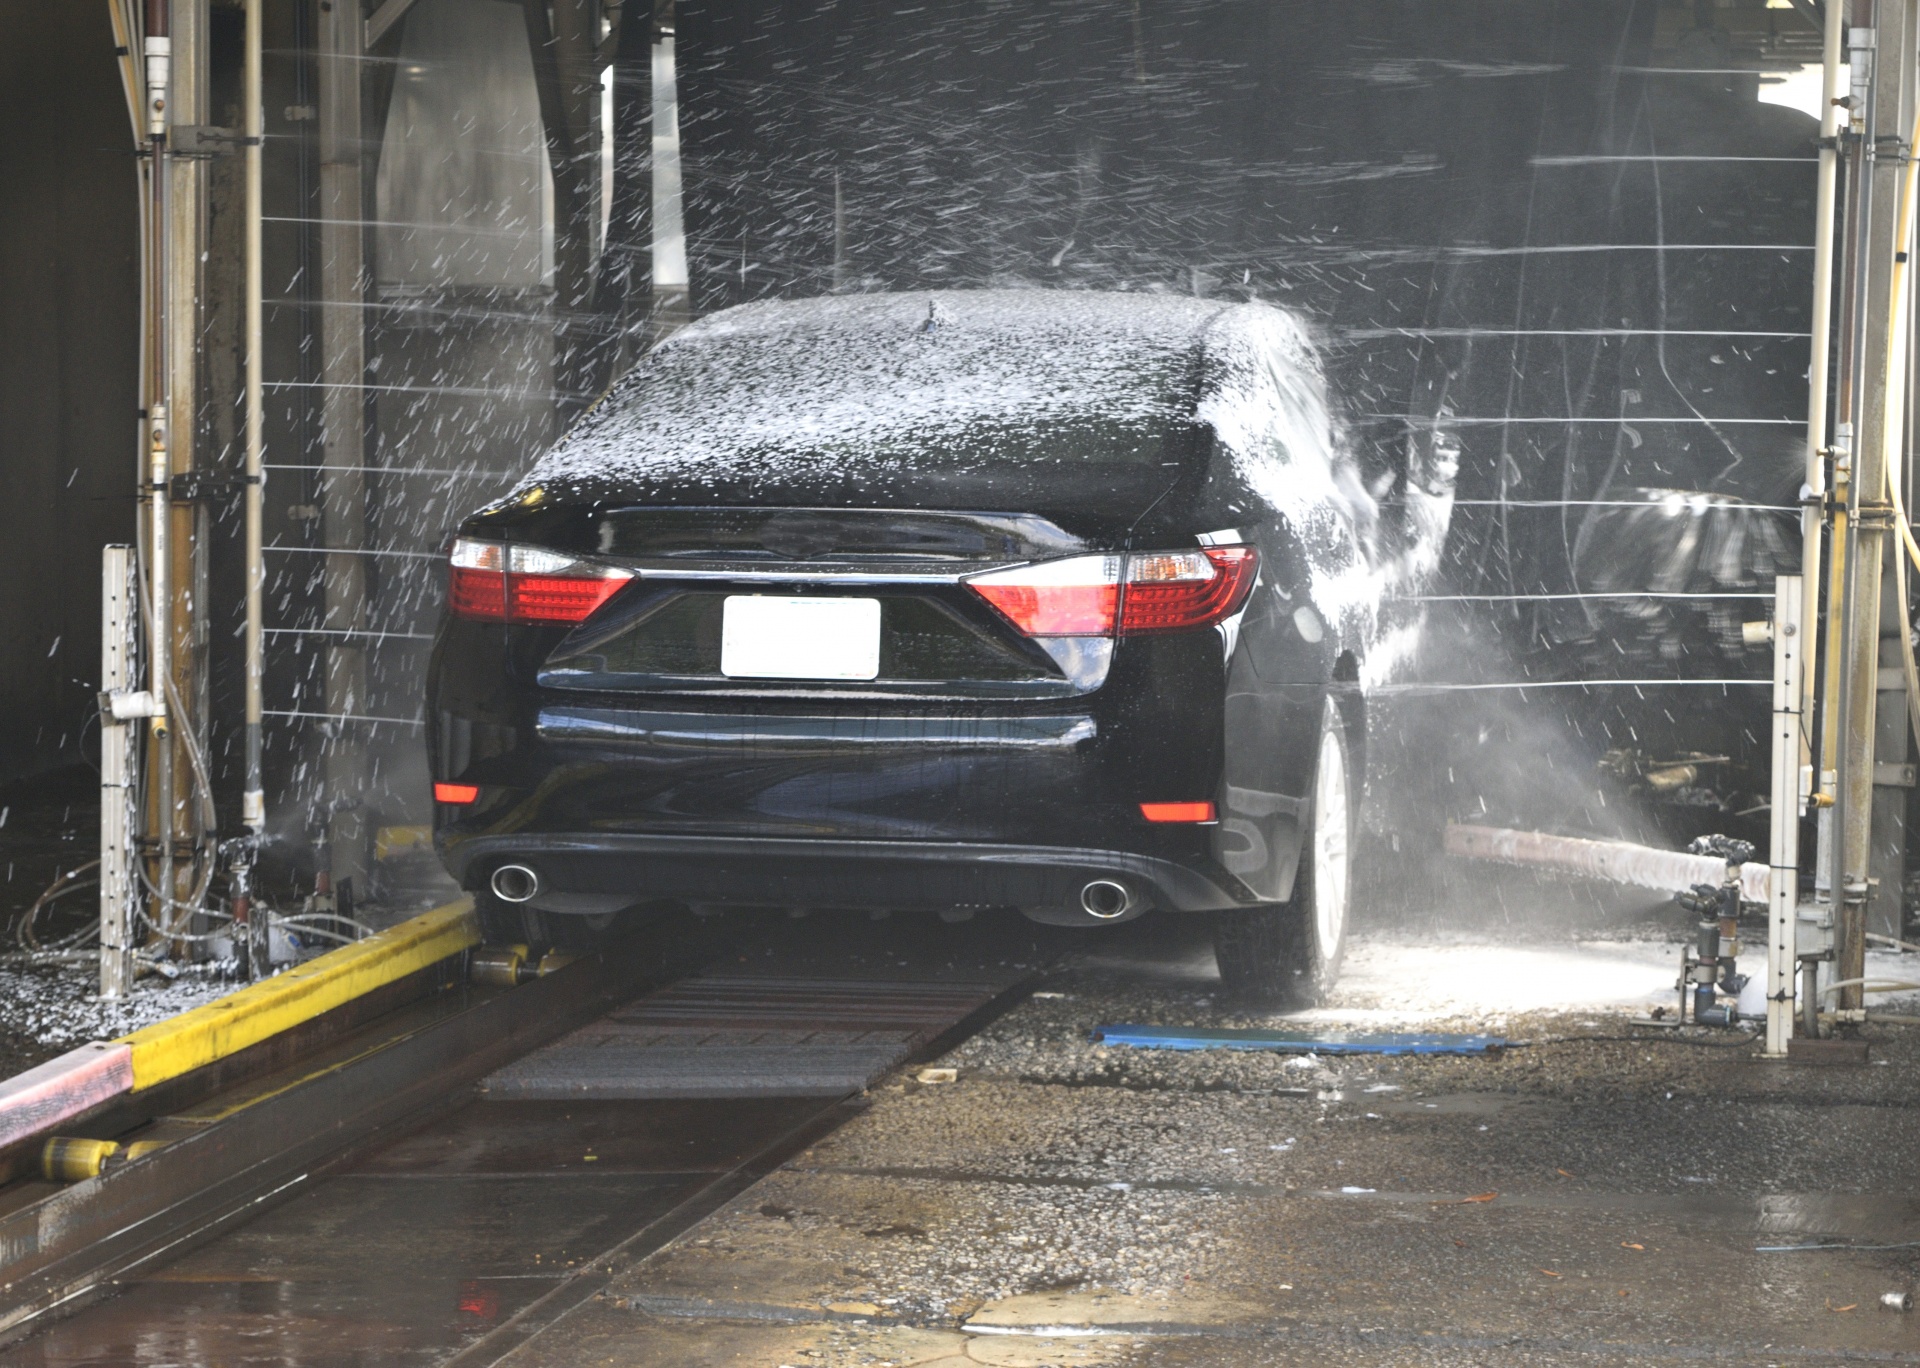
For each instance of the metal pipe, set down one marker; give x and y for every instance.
(1878, 364)
(670, 277)
(1851, 679)
(253, 806)
(1812, 514)
(159, 59)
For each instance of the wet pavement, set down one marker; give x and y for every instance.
(432, 1242)
(424, 1247)
(1586, 1197)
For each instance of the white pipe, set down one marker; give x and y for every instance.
(1783, 851)
(253, 807)
(1871, 985)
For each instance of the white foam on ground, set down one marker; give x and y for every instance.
(1400, 983)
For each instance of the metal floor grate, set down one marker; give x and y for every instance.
(742, 1036)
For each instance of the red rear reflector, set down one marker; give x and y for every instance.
(455, 793)
(1163, 591)
(1178, 812)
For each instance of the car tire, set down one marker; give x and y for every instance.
(1288, 954)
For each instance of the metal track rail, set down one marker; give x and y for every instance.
(342, 1105)
(225, 1157)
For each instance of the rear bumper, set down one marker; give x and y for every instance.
(797, 872)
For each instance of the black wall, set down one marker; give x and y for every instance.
(69, 285)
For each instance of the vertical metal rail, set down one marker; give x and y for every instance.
(253, 803)
(159, 63)
(1878, 353)
(672, 304)
(1813, 513)
(118, 613)
(1844, 705)
(1783, 857)
(183, 612)
(343, 407)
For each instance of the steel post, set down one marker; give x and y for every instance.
(118, 615)
(1783, 851)
(343, 492)
(158, 53)
(1814, 492)
(253, 805)
(1880, 359)
(672, 305)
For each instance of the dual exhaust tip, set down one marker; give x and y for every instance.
(1102, 899)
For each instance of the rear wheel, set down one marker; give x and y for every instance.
(1288, 954)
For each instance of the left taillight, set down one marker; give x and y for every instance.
(495, 582)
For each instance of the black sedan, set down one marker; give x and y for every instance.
(1057, 601)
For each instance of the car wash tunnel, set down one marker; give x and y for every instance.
(1024, 682)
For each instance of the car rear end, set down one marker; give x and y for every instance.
(782, 687)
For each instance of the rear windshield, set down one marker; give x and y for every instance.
(822, 387)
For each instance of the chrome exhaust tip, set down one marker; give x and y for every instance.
(1106, 899)
(514, 883)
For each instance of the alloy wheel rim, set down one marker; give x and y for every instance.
(1330, 856)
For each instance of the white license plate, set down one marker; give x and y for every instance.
(767, 637)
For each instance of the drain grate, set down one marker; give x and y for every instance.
(745, 1036)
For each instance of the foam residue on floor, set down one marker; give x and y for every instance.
(47, 1011)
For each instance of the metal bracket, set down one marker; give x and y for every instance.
(1891, 774)
(206, 486)
(383, 19)
(205, 140)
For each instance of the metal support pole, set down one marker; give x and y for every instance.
(253, 803)
(159, 71)
(183, 612)
(1880, 356)
(343, 486)
(1783, 851)
(671, 303)
(118, 615)
(1813, 496)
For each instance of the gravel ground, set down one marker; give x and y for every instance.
(1560, 1201)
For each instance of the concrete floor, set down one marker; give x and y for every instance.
(1560, 1203)
(1570, 1200)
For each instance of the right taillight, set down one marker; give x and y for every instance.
(1167, 591)
(1152, 591)
(492, 582)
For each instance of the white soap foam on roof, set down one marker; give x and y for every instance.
(779, 386)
